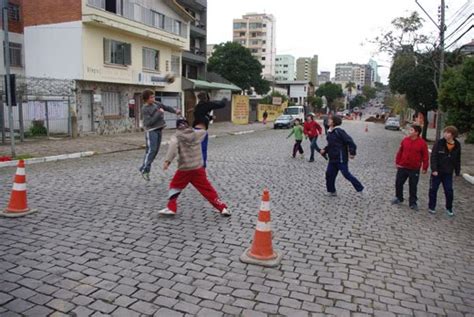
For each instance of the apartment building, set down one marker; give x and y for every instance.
(257, 32)
(285, 67)
(108, 51)
(16, 39)
(324, 77)
(307, 69)
(360, 74)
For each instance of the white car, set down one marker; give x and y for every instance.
(392, 123)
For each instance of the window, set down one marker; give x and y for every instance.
(13, 12)
(151, 59)
(177, 27)
(242, 34)
(264, 42)
(263, 58)
(111, 103)
(116, 52)
(15, 54)
(255, 25)
(239, 25)
(175, 64)
(254, 42)
(264, 50)
(254, 50)
(254, 34)
(158, 19)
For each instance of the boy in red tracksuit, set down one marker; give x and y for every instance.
(411, 156)
(311, 130)
(186, 144)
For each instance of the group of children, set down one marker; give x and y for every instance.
(189, 145)
(411, 157)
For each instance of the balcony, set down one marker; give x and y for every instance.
(198, 29)
(195, 54)
(131, 17)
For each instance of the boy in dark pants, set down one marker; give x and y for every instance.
(445, 159)
(186, 144)
(311, 130)
(298, 132)
(154, 122)
(340, 148)
(411, 156)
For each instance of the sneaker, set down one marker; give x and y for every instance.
(301, 156)
(432, 211)
(396, 201)
(450, 212)
(146, 176)
(331, 194)
(167, 211)
(226, 212)
(361, 194)
(311, 160)
(414, 207)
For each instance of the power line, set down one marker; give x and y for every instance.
(455, 41)
(464, 7)
(460, 26)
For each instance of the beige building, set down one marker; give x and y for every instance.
(257, 32)
(307, 69)
(110, 51)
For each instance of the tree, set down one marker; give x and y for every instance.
(349, 86)
(369, 92)
(315, 102)
(331, 91)
(236, 64)
(357, 101)
(457, 97)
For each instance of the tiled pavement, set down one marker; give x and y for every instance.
(97, 247)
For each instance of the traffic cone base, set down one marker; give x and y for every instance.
(261, 252)
(8, 214)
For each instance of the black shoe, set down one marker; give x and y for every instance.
(311, 160)
(414, 207)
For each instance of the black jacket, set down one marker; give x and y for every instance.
(443, 161)
(340, 145)
(202, 110)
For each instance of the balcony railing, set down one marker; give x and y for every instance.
(132, 10)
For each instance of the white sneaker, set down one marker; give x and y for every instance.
(166, 211)
(225, 212)
(301, 156)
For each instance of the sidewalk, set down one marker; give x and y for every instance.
(101, 144)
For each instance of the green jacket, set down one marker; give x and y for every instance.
(298, 132)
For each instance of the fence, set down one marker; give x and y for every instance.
(54, 115)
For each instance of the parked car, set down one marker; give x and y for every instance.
(392, 123)
(284, 121)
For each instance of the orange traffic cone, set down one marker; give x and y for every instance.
(366, 128)
(18, 205)
(261, 252)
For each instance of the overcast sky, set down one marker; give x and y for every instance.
(334, 29)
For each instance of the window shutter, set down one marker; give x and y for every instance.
(127, 54)
(106, 51)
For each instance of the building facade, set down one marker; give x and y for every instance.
(108, 51)
(307, 69)
(324, 77)
(285, 67)
(16, 39)
(256, 32)
(360, 74)
(375, 70)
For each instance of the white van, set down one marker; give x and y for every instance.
(297, 112)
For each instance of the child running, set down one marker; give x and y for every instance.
(298, 132)
(186, 144)
(311, 130)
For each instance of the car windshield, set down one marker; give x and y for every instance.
(392, 119)
(284, 117)
(292, 110)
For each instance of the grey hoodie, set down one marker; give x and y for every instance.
(186, 144)
(153, 118)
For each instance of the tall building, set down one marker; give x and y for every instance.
(285, 67)
(106, 52)
(360, 74)
(194, 60)
(210, 48)
(375, 71)
(307, 69)
(324, 77)
(16, 39)
(257, 32)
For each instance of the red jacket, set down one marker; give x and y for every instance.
(312, 129)
(413, 154)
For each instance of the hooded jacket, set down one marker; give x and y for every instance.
(340, 145)
(153, 118)
(412, 154)
(445, 161)
(186, 144)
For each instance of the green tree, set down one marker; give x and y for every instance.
(457, 97)
(315, 102)
(331, 91)
(349, 86)
(236, 64)
(369, 92)
(357, 101)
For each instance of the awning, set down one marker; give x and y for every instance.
(194, 84)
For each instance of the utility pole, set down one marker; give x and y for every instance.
(7, 71)
(442, 29)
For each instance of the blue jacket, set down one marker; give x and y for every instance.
(340, 145)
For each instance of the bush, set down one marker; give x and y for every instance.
(38, 128)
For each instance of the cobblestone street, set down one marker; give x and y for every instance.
(97, 247)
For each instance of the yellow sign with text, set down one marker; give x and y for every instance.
(240, 109)
(273, 111)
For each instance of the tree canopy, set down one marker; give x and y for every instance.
(331, 91)
(236, 64)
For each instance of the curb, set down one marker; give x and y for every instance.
(48, 158)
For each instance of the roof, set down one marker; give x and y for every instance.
(207, 85)
(292, 82)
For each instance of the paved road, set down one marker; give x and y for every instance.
(97, 246)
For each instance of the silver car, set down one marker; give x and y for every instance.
(392, 123)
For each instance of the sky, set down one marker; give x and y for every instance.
(337, 30)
